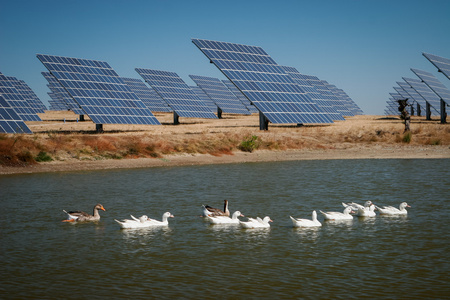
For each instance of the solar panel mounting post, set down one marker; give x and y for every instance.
(176, 118)
(428, 113)
(99, 128)
(219, 113)
(263, 122)
(443, 112)
(81, 118)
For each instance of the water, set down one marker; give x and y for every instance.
(382, 257)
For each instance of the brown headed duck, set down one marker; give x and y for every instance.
(212, 212)
(81, 216)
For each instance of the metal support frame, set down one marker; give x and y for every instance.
(81, 117)
(263, 122)
(443, 112)
(428, 113)
(219, 112)
(176, 118)
(99, 128)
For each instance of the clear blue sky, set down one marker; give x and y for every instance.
(363, 47)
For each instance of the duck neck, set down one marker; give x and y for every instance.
(96, 214)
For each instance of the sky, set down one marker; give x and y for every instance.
(363, 47)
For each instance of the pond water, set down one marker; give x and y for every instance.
(381, 257)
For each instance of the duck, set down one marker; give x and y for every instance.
(224, 219)
(256, 223)
(335, 215)
(81, 216)
(213, 212)
(135, 222)
(390, 210)
(355, 206)
(144, 221)
(366, 211)
(306, 222)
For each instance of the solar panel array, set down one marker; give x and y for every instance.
(349, 104)
(27, 93)
(441, 63)
(180, 97)
(276, 95)
(325, 103)
(60, 94)
(434, 84)
(98, 90)
(426, 95)
(414, 97)
(251, 108)
(220, 94)
(147, 95)
(10, 122)
(205, 98)
(16, 100)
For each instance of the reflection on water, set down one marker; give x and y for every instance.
(381, 257)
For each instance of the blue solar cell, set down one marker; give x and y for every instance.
(332, 105)
(220, 94)
(10, 122)
(441, 63)
(251, 108)
(205, 98)
(423, 94)
(59, 92)
(180, 97)
(147, 95)
(434, 84)
(98, 90)
(347, 101)
(263, 82)
(27, 93)
(16, 100)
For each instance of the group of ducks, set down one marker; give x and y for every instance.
(141, 222)
(218, 216)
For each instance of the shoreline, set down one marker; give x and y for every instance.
(361, 152)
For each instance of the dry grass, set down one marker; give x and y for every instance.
(77, 141)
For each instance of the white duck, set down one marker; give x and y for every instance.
(390, 210)
(335, 215)
(144, 221)
(224, 219)
(140, 222)
(306, 222)
(366, 211)
(355, 206)
(256, 223)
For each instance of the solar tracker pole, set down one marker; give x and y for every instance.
(263, 122)
(81, 118)
(176, 118)
(428, 113)
(99, 128)
(219, 112)
(443, 113)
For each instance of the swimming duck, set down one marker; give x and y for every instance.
(211, 211)
(366, 211)
(390, 210)
(356, 206)
(144, 221)
(334, 215)
(256, 223)
(81, 216)
(164, 221)
(224, 219)
(306, 222)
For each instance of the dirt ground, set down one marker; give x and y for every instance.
(359, 137)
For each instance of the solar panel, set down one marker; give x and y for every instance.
(205, 98)
(180, 97)
(414, 97)
(147, 95)
(251, 108)
(99, 91)
(327, 104)
(60, 93)
(10, 122)
(56, 103)
(348, 102)
(27, 93)
(434, 84)
(424, 93)
(274, 93)
(220, 94)
(441, 63)
(16, 100)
